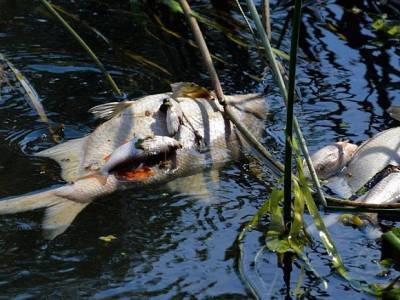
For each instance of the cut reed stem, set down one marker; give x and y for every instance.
(267, 18)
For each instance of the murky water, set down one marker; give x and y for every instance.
(171, 244)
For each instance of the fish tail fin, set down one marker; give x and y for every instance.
(59, 217)
(59, 213)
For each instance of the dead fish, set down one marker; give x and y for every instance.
(135, 150)
(139, 119)
(371, 157)
(394, 112)
(384, 192)
(331, 159)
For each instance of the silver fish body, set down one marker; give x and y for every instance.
(137, 120)
(384, 192)
(331, 159)
(374, 155)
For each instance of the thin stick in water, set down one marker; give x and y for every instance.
(276, 166)
(267, 18)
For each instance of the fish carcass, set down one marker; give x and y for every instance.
(139, 119)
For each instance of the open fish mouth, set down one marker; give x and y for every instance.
(146, 168)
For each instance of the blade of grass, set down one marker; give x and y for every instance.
(289, 113)
(32, 97)
(110, 80)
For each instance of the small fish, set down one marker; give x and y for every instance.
(384, 192)
(394, 112)
(190, 90)
(174, 116)
(135, 150)
(331, 159)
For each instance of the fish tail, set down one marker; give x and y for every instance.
(59, 211)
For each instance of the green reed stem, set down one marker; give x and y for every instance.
(289, 113)
(85, 46)
(281, 84)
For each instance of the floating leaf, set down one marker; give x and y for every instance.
(394, 30)
(379, 24)
(352, 220)
(108, 238)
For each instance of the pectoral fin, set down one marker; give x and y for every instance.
(59, 217)
(340, 186)
(198, 186)
(108, 110)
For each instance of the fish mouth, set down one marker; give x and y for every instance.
(146, 168)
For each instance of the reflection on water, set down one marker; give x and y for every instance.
(171, 244)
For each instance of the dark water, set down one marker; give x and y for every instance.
(171, 244)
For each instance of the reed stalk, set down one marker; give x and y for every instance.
(289, 113)
(267, 18)
(276, 166)
(85, 46)
(281, 84)
(392, 239)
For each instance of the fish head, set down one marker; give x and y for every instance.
(331, 159)
(394, 112)
(348, 148)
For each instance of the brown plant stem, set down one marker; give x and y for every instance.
(276, 166)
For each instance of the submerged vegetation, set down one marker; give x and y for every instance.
(281, 218)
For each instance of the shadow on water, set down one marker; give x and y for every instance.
(170, 244)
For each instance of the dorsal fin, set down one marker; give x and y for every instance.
(108, 110)
(68, 155)
(190, 90)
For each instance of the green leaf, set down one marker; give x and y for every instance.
(174, 6)
(278, 245)
(108, 238)
(379, 24)
(276, 211)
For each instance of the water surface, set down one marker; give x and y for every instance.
(172, 244)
